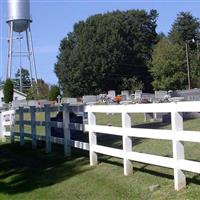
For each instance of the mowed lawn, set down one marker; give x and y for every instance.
(33, 174)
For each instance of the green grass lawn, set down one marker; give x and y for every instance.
(33, 174)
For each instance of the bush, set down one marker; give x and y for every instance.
(8, 91)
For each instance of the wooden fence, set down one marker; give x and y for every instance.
(177, 135)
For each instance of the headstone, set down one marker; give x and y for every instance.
(138, 94)
(111, 94)
(125, 93)
(189, 95)
(41, 103)
(149, 97)
(89, 99)
(160, 94)
(17, 103)
(32, 103)
(69, 100)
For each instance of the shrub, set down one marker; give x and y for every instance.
(8, 91)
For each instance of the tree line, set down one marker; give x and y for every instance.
(34, 91)
(121, 50)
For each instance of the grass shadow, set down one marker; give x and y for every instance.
(23, 169)
(152, 125)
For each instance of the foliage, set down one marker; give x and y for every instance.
(53, 93)
(26, 81)
(104, 50)
(186, 27)
(8, 91)
(38, 91)
(168, 66)
(194, 69)
(132, 84)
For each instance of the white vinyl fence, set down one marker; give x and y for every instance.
(7, 121)
(177, 135)
(47, 124)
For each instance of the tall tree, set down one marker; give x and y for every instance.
(38, 91)
(186, 27)
(26, 81)
(105, 50)
(168, 66)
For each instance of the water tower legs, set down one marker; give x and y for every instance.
(29, 53)
(10, 51)
(32, 52)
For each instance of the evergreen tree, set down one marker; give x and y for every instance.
(26, 81)
(186, 27)
(8, 91)
(106, 50)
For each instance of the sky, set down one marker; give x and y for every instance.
(53, 19)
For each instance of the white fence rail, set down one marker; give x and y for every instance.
(177, 135)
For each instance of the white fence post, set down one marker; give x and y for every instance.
(47, 127)
(21, 125)
(178, 150)
(3, 129)
(12, 128)
(127, 143)
(33, 127)
(67, 136)
(92, 138)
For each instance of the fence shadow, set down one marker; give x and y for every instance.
(23, 169)
(116, 141)
(190, 180)
(152, 125)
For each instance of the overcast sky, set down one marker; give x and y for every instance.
(52, 20)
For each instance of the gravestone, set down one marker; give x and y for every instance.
(188, 95)
(69, 100)
(160, 94)
(125, 93)
(111, 94)
(138, 94)
(89, 99)
(31, 102)
(17, 103)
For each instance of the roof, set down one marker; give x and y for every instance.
(21, 93)
(18, 92)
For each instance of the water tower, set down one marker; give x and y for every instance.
(19, 21)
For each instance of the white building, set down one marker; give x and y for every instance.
(17, 95)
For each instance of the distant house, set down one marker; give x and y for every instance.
(16, 96)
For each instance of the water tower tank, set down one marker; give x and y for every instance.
(19, 14)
